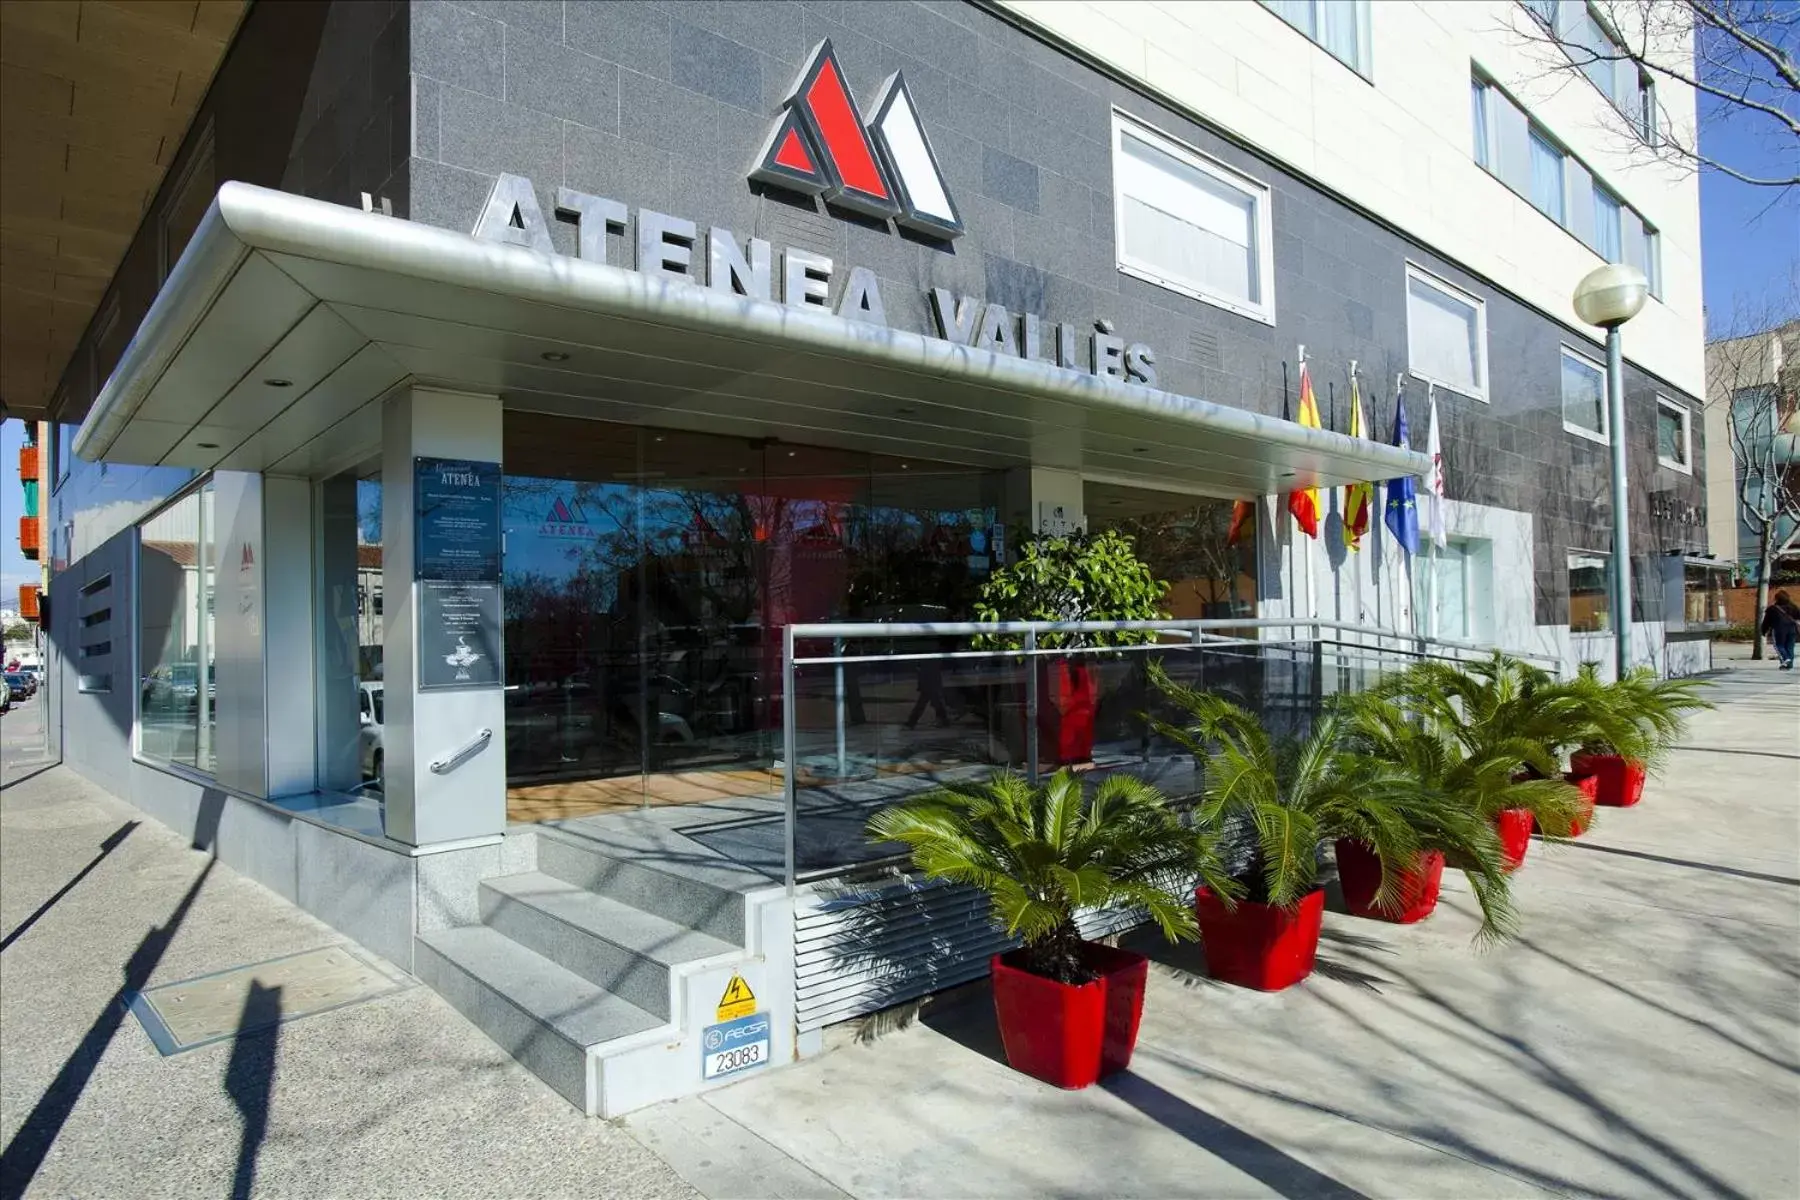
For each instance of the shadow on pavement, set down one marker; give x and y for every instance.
(1269, 1165)
(113, 841)
(1737, 872)
(20, 1161)
(250, 1078)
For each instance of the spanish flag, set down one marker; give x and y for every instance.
(1243, 516)
(1304, 504)
(1359, 498)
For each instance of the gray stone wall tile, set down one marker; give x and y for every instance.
(633, 34)
(632, 173)
(445, 196)
(458, 47)
(541, 19)
(1009, 180)
(775, 28)
(704, 62)
(481, 133)
(565, 83)
(426, 95)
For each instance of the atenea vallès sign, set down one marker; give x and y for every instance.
(672, 248)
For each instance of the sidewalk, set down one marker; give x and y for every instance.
(1642, 1039)
(395, 1096)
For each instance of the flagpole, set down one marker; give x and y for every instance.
(1312, 595)
(1356, 571)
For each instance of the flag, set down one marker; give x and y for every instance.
(1359, 498)
(1243, 515)
(1402, 517)
(1434, 483)
(1304, 504)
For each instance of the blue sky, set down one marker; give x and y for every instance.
(1749, 236)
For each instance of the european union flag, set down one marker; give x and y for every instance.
(1402, 515)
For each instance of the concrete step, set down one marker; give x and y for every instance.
(623, 949)
(540, 1013)
(707, 896)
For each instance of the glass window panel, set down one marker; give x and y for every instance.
(1588, 603)
(1188, 225)
(172, 617)
(1653, 260)
(1441, 580)
(1443, 336)
(1543, 10)
(1583, 394)
(1342, 30)
(1298, 13)
(1478, 112)
(1547, 178)
(1671, 434)
(1607, 224)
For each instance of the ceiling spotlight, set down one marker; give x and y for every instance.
(554, 356)
(791, 453)
(279, 382)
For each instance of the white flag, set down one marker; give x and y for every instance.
(1434, 483)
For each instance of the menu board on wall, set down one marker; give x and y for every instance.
(457, 551)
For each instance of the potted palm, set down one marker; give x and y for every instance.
(1631, 725)
(1501, 715)
(1068, 1008)
(1077, 577)
(1280, 801)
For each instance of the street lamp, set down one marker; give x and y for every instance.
(1608, 297)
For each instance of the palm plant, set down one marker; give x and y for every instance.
(1638, 717)
(1044, 852)
(1285, 798)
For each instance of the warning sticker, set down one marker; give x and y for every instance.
(738, 1000)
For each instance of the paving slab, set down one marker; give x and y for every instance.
(1641, 1038)
(391, 1096)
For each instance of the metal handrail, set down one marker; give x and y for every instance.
(1195, 632)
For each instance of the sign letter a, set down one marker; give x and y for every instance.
(512, 215)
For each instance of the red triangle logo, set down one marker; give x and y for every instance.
(792, 154)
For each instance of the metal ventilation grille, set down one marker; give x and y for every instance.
(859, 949)
(1203, 348)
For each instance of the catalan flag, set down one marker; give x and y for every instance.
(1359, 498)
(1304, 504)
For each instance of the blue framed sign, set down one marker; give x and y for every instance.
(456, 565)
(456, 506)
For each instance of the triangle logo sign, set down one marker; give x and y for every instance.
(882, 168)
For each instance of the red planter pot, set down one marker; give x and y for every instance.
(1259, 945)
(1359, 871)
(1619, 782)
(1068, 698)
(1514, 826)
(1069, 1035)
(1589, 786)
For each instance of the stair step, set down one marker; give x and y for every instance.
(515, 995)
(705, 897)
(618, 947)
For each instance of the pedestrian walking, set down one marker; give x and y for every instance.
(1781, 625)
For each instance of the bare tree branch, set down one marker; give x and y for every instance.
(1738, 53)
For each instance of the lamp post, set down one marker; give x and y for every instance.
(1608, 297)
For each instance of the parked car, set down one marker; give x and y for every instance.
(369, 737)
(19, 685)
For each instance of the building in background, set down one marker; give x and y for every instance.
(711, 320)
(1753, 466)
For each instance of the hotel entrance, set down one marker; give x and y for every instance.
(649, 574)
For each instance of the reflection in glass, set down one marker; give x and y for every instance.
(175, 633)
(1186, 540)
(1589, 607)
(649, 576)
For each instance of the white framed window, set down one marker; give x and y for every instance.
(1653, 260)
(1339, 27)
(1543, 10)
(1482, 122)
(1190, 223)
(1674, 435)
(1446, 334)
(1547, 177)
(1583, 395)
(1608, 222)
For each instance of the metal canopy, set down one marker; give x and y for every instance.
(287, 318)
